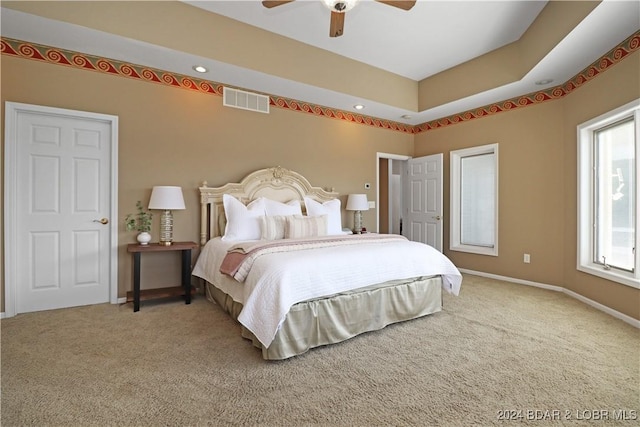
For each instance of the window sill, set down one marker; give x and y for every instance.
(479, 250)
(614, 276)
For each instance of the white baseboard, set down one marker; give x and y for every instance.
(627, 319)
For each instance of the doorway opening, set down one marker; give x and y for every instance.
(409, 197)
(390, 169)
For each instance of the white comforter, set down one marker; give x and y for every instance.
(279, 280)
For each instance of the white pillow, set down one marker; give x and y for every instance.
(292, 207)
(243, 222)
(306, 226)
(331, 209)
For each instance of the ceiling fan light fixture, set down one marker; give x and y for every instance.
(340, 6)
(338, 9)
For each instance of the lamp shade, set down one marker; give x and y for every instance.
(357, 202)
(166, 198)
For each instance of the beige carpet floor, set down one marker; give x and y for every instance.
(499, 354)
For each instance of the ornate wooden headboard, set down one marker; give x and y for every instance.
(276, 183)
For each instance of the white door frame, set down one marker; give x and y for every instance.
(11, 263)
(378, 157)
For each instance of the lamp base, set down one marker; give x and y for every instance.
(166, 228)
(357, 222)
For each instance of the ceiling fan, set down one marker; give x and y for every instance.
(340, 7)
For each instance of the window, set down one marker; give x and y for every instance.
(474, 200)
(608, 195)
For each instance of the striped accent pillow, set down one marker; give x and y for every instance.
(305, 226)
(272, 227)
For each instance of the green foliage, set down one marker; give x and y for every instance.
(140, 221)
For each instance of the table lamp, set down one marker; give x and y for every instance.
(166, 199)
(357, 203)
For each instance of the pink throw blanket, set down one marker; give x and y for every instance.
(240, 257)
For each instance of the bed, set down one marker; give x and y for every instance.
(275, 257)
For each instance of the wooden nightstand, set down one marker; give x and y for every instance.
(185, 287)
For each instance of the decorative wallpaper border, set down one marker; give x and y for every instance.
(87, 62)
(318, 110)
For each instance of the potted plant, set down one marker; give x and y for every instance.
(141, 222)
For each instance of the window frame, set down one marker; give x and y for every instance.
(586, 244)
(456, 156)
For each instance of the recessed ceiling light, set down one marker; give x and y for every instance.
(358, 106)
(405, 116)
(544, 82)
(200, 68)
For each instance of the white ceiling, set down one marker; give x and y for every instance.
(431, 37)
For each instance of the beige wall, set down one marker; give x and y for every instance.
(537, 180)
(527, 177)
(178, 137)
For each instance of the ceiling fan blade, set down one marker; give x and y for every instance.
(400, 4)
(270, 4)
(337, 24)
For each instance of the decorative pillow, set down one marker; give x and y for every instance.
(243, 222)
(273, 227)
(305, 226)
(292, 207)
(331, 209)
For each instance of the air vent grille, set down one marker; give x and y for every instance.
(245, 100)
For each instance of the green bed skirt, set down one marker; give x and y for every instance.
(342, 316)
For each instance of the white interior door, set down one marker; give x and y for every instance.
(61, 223)
(423, 201)
(395, 202)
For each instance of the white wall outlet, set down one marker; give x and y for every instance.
(372, 204)
(527, 258)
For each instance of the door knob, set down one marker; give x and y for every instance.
(102, 221)
(437, 217)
